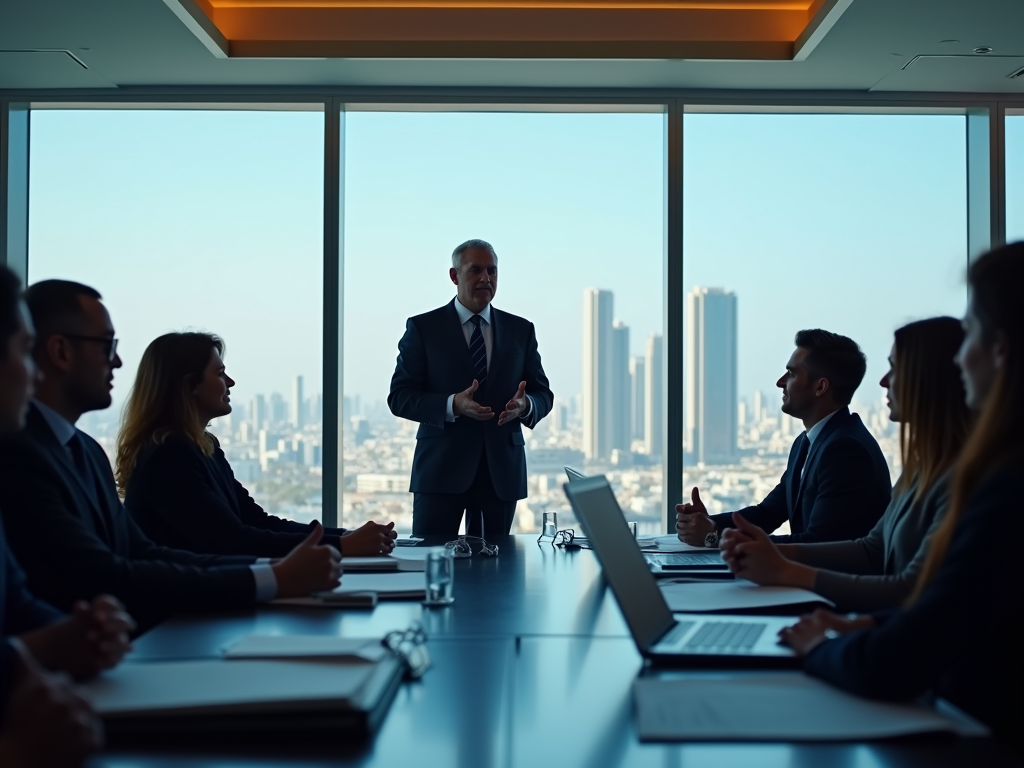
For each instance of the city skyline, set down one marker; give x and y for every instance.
(710, 390)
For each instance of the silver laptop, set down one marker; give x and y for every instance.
(574, 475)
(684, 639)
(676, 564)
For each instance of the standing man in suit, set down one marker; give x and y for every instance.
(836, 485)
(64, 520)
(457, 367)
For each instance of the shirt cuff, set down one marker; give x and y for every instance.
(529, 408)
(262, 561)
(266, 582)
(450, 412)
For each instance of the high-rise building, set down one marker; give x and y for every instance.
(297, 417)
(598, 377)
(622, 429)
(258, 413)
(636, 396)
(759, 413)
(278, 410)
(654, 397)
(711, 381)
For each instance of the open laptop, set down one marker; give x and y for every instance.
(683, 639)
(675, 563)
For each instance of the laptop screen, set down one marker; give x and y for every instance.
(573, 475)
(625, 568)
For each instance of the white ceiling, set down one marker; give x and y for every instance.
(141, 43)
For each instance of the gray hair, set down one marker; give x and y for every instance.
(457, 253)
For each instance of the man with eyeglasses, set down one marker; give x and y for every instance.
(64, 520)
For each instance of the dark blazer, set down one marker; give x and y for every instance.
(19, 612)
(180, 497)
(75, 541)
(846, 487)
(433, 363)
(960, 638)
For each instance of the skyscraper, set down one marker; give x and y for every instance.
(622, 430)
(653, 397)
(636, 396)
(711, 382)
(258, 413)
(598, 416)
(297, 417)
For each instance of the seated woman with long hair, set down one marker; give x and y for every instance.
(958, 635)
(926, 397)
(177, 482)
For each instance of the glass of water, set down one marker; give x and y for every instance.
(440, 573)
(548, 526)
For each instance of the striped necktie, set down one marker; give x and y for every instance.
(478, 350)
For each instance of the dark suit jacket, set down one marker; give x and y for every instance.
(433, 363)
(960, 638)
(19, 612)
(846, 487)
(76, 542)
(180, 497)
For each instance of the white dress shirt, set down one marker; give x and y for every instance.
(64, 430)
(487, 331)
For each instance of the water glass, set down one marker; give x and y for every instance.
(549, 525)
(632, 528)
(440, 574)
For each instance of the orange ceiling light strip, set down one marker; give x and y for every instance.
(648, 29)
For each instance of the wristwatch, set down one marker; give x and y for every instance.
(711, 540)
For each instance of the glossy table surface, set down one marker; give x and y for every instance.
(532, 666)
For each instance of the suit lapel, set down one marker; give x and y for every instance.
(815, 449)
(793, 481)
(58, 453)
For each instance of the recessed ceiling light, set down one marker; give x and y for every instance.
(983, 49)
(950, 42)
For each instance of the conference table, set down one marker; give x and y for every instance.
(531, 666)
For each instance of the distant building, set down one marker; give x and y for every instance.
(297, 418)
(622, 427)
(258, 413)
(598, 376)
(654, 397)
(381, 483)
(637, 386)
(711, 380)
(360, 429)
(278, 410)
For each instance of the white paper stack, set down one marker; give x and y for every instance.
(736, 594)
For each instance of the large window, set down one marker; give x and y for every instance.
(208, 220)
(574, 206)
(1014, 175)
(852, 223)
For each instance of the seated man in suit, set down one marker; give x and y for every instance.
(836, 485)
(64, 520)
(42, 720)
(457, 366)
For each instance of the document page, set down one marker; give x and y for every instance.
(779, 707)
(737, 594)
(671, 543)
(306, 646)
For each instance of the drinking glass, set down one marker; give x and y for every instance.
(440, 574)
(549, 525)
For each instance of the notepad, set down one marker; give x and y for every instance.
(779, 707)
(219, 687)
(384, 563)
(672, 543)
(408, 585)
(307, 647)
(735, 595)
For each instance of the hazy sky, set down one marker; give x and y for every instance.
(214, 220)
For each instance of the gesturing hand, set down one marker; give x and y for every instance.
(310, 567)
(692, 521)
(465, 405)
(515, 407)
(814, 628)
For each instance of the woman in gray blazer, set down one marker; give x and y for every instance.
(926, 396)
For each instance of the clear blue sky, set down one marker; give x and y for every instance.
(213, 220)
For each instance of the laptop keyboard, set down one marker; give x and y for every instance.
(680, 629)
(688, 558)
(726, 636)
